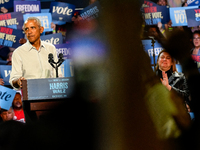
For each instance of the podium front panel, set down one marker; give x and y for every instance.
(48, 88)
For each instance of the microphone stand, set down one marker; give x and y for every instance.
(154, 59)
(57, 64)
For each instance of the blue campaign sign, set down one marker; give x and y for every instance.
(65, 49)
(62, 11)
(6, 97)
(193, 2)
(147, 45)
(193, 17)
(155, 14)
(53, 38)
(12, 20)
(91, 11)
(178, 15)
(67, 68)
(5, 73)
(45, 19)
(10, 37)
(27, 6)
(6, 3)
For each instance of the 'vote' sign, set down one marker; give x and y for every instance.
(62, 11)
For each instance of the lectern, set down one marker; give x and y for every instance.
(41, 96)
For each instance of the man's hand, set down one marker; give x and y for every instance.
(18, 82)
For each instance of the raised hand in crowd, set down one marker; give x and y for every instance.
(1, 81)
(22, 41)
(4, 10)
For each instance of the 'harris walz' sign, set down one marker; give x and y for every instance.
(62, 11)
(27, 6)
(12, 20)
(91, 11)
(49, 88)
(10, 37)
(53, 38)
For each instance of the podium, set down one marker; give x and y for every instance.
(42, 96)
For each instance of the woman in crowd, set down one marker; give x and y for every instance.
(170, 78)
(195, 52)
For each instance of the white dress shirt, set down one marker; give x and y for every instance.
(30, 63)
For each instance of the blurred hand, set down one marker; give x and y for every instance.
(159, 25)
(53, 26)
(4, 10)
(1, 81)
(19, 81)
(22, 41)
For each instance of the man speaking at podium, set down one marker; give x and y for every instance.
(30, 61)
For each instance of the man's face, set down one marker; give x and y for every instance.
(17, 102)
(7, 115)
(33, 31)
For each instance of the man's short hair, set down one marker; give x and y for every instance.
(32, 18)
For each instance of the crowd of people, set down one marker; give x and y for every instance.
(166, 64)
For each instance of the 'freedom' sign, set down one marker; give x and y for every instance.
(12, 20)
(10, 37)
(65, 49)
(27, 6)
(149, 49)
(62, 11)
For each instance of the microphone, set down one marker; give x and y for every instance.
(51, 61)
(60, 56)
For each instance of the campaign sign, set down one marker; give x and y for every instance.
(62, 11)
(45, 19)
(5, 73)
(12, 20)
(6, 3)
(53, 38)
(178, 15)
(10, 37)
(196, 58)
(27, 6)
(155, 14)
(149, 49)
(193, 2)
(67, 68)
(6, 97)
(193, 17)
(149, 3)
(65, 49)
(91, 11)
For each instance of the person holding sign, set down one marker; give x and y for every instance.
(30, 60)
(170, 78)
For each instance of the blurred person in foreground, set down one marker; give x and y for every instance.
(30, 61)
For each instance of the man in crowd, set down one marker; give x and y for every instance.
(30, 60)
(7, 115)
(18, 109)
